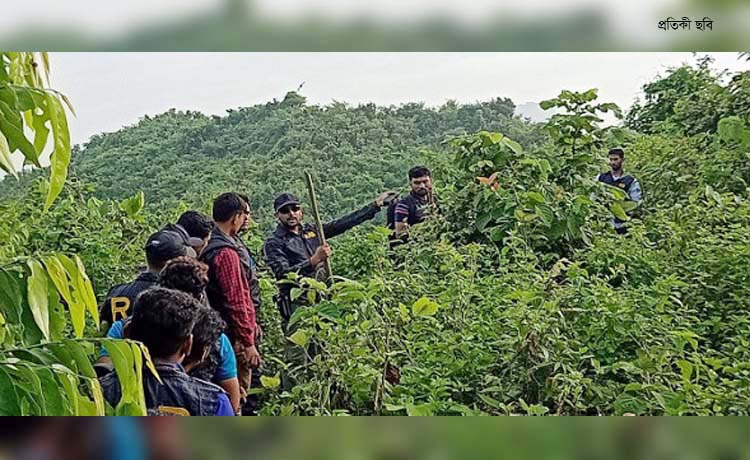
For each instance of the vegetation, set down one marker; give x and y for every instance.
(519, 298)
(45, 363)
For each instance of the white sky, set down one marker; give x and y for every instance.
(112, 90)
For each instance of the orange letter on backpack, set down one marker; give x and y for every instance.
(119, 305)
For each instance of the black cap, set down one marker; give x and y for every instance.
(180, 230)
(284, 199)
(166, 245)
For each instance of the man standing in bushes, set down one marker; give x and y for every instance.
(412, 209)
(294, 247)
(228, 287)
(617, 178)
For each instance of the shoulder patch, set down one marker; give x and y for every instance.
(310, 235)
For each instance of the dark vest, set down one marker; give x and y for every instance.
(120, 299)
(624, 182)
(251, 267)
(216, 297)
(179, 394)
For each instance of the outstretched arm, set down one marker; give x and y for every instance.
(339, 226)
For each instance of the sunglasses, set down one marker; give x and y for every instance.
(288, 209)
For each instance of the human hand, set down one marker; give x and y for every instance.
(386, 198)
(321, 254)
(253, 357)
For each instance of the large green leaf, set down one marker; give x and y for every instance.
(133, 205)
(270, 382)
(72, 355)
(300, 338)
(98, 396)
(420, 410)
(70, 385)
(60, 158)
(35, 394)
(9, 403)
(57, 315)
(129, 375)
(424, 307)
(5, 161)
(60, 278)
(618, 211)
(3, 331)
(513, 145)
(536, 198)
(629, 205)
(83, 293)
(11, 126)
(53, 397)
(37, 296)
(11, 302)
(57, 274)
(87, 290)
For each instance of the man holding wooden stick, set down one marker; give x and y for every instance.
(297, 247)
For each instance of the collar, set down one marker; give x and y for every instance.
(148, 276)
(420, 199)
(168, 365)
(219, 234)
(282, 231)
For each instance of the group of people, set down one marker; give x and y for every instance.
(196, 306)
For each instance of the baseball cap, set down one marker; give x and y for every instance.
(166, 245)
(180, 230)
(284, 199)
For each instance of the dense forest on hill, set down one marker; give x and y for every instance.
(187, 157)
(520, 298)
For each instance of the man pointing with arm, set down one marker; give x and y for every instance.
(296, 247)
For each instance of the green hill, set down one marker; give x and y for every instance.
(355, 152)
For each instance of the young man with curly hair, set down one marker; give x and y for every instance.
(163, 320)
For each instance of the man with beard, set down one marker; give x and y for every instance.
(415, 207)
(617, 178)
(296, 247)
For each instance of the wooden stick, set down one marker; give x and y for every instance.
(318, 222)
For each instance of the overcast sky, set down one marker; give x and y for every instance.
(112, 90)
